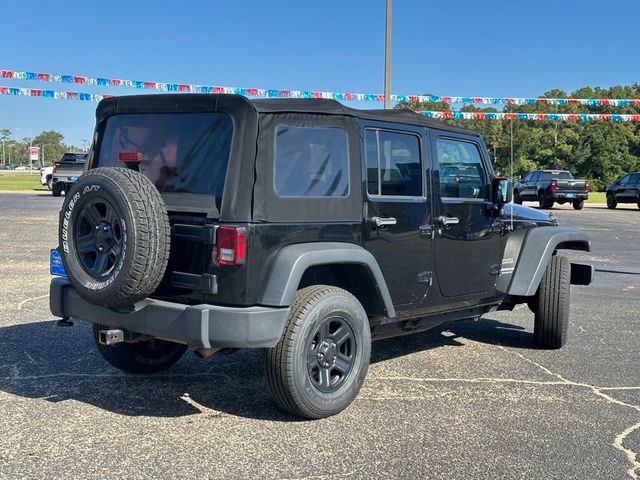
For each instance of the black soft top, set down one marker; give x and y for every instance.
(201, 102)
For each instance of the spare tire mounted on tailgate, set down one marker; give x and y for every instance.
(114, 237)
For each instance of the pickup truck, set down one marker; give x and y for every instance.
(550, 186)
(66, 171)
(46, 176)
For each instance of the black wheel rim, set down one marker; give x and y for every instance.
(98, 238)
(331, 354)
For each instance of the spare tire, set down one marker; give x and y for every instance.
(114, 237)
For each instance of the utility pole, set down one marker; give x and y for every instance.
(387, 59)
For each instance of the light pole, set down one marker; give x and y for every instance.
(42, 162)
(387, 59)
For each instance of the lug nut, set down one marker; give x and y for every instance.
(97, 227)
(100, 249)
(320, 356)
(105, 228)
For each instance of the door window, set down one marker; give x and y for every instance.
(394, 165)
(462, 173)
(635, 178)
(625, 180)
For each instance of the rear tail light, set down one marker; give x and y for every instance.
(586, 186)
(552, 187)
(231, 245)
(130, 157)
(54, 168)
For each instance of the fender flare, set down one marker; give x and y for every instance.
(527, 255)
(290, 263)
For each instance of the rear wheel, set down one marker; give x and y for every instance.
(49, 183)
(319, 364)
(543, 202)
(611, 201)
(140, 357)
(578, 204)
(56, 190)
(552, 304)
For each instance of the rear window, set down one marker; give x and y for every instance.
(558, 176)
(180, 152)
(74, 157)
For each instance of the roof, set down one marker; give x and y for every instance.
(175, 102)
(333, 107)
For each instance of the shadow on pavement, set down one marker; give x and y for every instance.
(43, 361)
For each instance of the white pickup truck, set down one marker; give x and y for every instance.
(46, 176)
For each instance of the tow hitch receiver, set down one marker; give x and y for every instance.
(110, 337)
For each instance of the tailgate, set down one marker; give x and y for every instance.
(571, 186)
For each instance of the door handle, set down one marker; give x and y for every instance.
(448, 221)
(383, 221)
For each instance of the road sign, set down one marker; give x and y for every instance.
(34, 154)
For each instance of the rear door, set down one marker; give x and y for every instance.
(467, 251)
(623, 190)
(531, 187)
(397, 216)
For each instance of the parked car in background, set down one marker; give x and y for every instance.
(21, 168)
(624, 190)
(66, 171)
(550, 186)
(46, 174)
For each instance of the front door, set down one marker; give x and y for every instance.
(397, 216)
(467, 231)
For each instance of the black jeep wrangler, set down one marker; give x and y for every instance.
(300, 226)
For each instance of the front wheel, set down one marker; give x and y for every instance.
(578, 204)
(552, 304)
(318, 366)
(611, 201)
(516, 198)
(150, 356)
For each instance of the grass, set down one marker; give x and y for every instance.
(597, 197)
(21, 181)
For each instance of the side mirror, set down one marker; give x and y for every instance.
(502, 191)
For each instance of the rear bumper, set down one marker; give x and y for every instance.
(569, 196)
(201, 326)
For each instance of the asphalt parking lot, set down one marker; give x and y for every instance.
(466, 400)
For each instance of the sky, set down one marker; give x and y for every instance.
(455, 47)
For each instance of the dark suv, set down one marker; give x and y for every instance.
(300, 226)
(624, 190)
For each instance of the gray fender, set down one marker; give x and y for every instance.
(292, 261)
(527, 255)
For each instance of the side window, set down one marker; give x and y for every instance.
(535, 176)
(462, 174)
(625, 180)
(311, 162)
(635, 178)
(527, 178)
(394, 166)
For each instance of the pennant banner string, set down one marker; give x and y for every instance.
(344, 96)
(570, 117)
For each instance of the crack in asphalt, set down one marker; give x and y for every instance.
(20, 305)
(618, 442)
